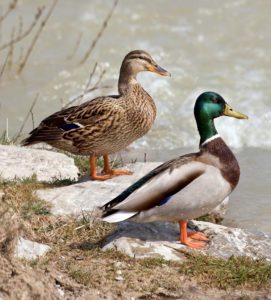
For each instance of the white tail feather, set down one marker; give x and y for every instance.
(119, 216)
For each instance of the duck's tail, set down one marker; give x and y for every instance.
(48, 135)
(115, 216)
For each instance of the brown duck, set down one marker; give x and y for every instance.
(107, 124)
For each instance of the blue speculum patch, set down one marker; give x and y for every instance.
(68, 127)
(165, 200)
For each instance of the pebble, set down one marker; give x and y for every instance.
(118, 264)
(119, 278)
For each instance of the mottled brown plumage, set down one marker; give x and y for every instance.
(104, 125)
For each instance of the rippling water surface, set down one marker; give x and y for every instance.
(207, 45)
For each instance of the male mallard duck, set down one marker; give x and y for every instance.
(188, 186)
(104, 125)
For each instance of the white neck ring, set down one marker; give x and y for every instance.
(211, 139)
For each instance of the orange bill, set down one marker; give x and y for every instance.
(157, 69)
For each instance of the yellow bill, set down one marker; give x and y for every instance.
(230, 112)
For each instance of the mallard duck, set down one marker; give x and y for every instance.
(186, 187)
(104, 125)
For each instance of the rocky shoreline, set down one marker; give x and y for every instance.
(136, 240)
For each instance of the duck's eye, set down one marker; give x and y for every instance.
(145, 59)
(142, 57)
(213, 100)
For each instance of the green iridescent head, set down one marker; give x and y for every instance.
(209, 106)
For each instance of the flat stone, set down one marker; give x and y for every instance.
(146, 240)
(30, 250)
(24, 162)
(87, 195)
(160, 240)
(227, 241)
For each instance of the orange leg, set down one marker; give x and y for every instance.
(106, 169)
(193, 239)
(113, 173)
(93, 173)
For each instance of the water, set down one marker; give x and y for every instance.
(207, 45)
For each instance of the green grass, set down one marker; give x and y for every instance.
(5, 140)
(211, 219)
(20, 196)
(37, 207)
(232, 273)
(82, 163)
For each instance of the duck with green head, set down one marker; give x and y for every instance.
(186, 187)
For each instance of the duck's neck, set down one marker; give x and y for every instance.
(127, 79)
(206, 128)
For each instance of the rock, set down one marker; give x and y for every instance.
(227, 241)
(90, 194)
(24, 162)
(146, 240)
(59, 290)
(119, 278)
(30, 250)
(160, 240)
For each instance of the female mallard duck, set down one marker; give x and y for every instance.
(104, 125)
(188, 186)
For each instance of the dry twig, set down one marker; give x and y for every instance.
(76, 46)
(10, 52)
(20, 29)
(9, 10)
(98, 36)
(21, 35)
(4, 66)
(42, 25)
(20, 56)
(87, 89)
(91, 75)
(26, 118)
(89, 81)
(6, 131)
(100, 78)
(82, 95)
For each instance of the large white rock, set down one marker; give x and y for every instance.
(23, 162)
(160, 240)
(87, 195)
(30, 250)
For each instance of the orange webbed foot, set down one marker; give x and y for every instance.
(194, 244)
(118, 172)
(107, 168)
(196, 235)
(102, 177)
(195, 240)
